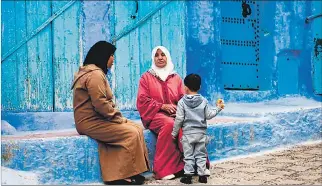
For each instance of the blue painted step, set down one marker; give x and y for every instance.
(61, 156)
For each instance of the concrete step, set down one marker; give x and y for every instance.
(52, 148)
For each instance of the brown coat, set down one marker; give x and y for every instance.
(122, 149)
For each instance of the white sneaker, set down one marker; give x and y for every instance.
(169, 177)
(207, 172)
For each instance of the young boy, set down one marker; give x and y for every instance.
(192, 112)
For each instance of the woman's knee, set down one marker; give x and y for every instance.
(134, 132)
(137, 126)
(167, 127)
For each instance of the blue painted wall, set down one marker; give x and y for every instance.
(270, 53)
(284, 53)
(66, 40)
(133, 54)
(27, 75)
(37, 76)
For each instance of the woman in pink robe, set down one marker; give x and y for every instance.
(160, 89)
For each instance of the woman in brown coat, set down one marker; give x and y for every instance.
(122, 149)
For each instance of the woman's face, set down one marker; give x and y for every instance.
(160, 59)
(110, 61)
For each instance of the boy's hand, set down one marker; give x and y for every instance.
(222, 106)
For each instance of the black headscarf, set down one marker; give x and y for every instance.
(99, 54)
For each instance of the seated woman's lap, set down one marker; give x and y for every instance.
(162, 124)
(113, 133)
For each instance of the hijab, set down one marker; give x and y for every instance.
(99, 54)
(167, 69)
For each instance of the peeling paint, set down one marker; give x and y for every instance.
(318, 47)
(282, 23)
(205, 25)
(195, 47)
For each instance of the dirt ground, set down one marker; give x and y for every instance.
(293, 166)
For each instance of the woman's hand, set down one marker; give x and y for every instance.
(169, 108)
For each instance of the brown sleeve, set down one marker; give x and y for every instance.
(96, 86)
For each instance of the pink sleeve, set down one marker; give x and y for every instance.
(147, 106)
(180, 88)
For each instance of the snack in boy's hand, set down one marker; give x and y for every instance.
(220, 103)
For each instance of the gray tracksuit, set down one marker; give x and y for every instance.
(191, 116)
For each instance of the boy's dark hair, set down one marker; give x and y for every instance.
(193, 82)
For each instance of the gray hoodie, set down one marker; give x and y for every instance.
(192, 113)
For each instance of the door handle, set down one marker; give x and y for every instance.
(310, 18)
(136, 10)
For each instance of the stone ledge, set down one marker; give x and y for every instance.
(64, 157)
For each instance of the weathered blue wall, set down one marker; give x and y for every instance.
(66, 41)
(272, 51)
(133, 54)
(285, 61)
(97, 23)
(27, 76)
(37, 76)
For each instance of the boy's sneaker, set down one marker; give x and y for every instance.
(186, 179)
(207, 172)
(202, 179)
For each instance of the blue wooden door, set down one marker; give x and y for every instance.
(27, 78)
(37, 76)
(133, 54)
(66, 44)
(240, 44)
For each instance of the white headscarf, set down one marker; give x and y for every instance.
(167, 69)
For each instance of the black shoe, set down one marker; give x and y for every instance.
(202, 179)
(124, 182)
(186, 179)
(118, 182)
(179, 174)
(139, 179)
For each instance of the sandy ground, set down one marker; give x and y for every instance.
(297, 165)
